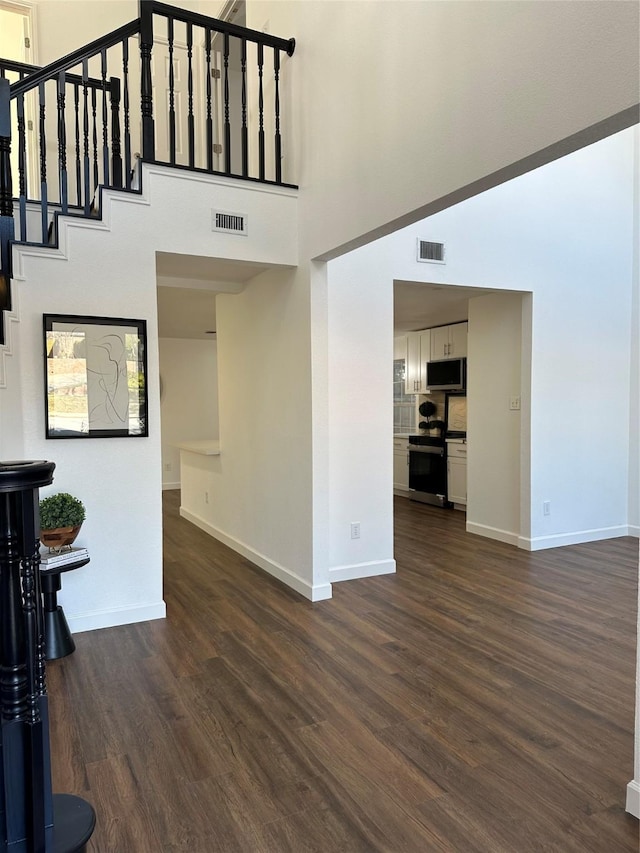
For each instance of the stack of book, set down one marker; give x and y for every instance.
(53, 559)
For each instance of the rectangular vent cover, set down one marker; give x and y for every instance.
(430, 253)
(230, 223)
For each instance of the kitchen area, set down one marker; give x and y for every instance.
(430, 415)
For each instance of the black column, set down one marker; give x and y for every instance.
(32, 820)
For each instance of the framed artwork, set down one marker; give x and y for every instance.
(95, 377)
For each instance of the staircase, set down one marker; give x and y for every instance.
(89, 121)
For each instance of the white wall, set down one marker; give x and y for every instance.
(494, 449)
(62, 26)
(259, 487)
(564, 233)
(396, 106)
(360, 415)
(108, 268)
(189, 399)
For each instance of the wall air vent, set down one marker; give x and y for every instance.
(430, 253)
(230, 223)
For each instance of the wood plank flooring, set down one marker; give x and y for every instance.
(479, 701)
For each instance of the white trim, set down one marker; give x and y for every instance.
(215, 180)
(6, 349)
(362, 570)
(120, 616)
(634, 530)
(319, 592)
(168, 486)
(492, 533)
(633, 798)
(577, 538)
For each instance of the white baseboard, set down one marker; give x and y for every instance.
(168, 486)
(319, 592)
(633, 798)
(119, 616)
(493, 533)
(362, 570)
(634, 530)
(538, 543)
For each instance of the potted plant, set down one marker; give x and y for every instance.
(61, 518)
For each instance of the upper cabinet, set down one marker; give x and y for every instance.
(400, 347)
(449, 342)
(418, 354)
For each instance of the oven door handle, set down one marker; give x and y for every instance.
(420, 448)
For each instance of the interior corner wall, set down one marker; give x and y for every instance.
(189, 399)
(494, 449)
(260, 487)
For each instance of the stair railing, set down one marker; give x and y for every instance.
(210, 101)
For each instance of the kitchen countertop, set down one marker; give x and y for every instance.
(205, 448)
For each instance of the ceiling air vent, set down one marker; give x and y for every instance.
(430, 253)
(230, 223)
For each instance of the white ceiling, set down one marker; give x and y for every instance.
(417, 305)
(187, 289)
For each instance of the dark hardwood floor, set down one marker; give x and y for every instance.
(482, 699)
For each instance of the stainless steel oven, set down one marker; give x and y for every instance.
(428, 470)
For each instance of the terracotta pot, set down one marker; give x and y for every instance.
(59, 537)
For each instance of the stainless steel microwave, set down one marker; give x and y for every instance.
(449, 374)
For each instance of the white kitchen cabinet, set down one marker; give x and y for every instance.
(418, 354)
(457, 472)
(449, 341)
(401, 465)
(400, 347)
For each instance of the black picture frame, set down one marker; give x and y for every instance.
(95, 377)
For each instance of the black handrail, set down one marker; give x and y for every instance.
(288, 45)
(26, 70)
(48, 72)
(19, 67)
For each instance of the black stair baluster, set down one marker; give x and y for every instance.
(105, 118)
(209, 123)
(62, 143)
(22, 167)
(44, 213)
(260, 112)
(190, 119)
(146, 84)
(85, 136)
(172, 97)
(245, 132)
(94, 139)
(7, 224)
(227, 125)
(127, 119)
(76, 105)
(116, 153)
(278, 140)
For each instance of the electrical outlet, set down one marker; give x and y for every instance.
(206, 497)
(514, 404)
(355, 529)
(546, 507)
(167, 466)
